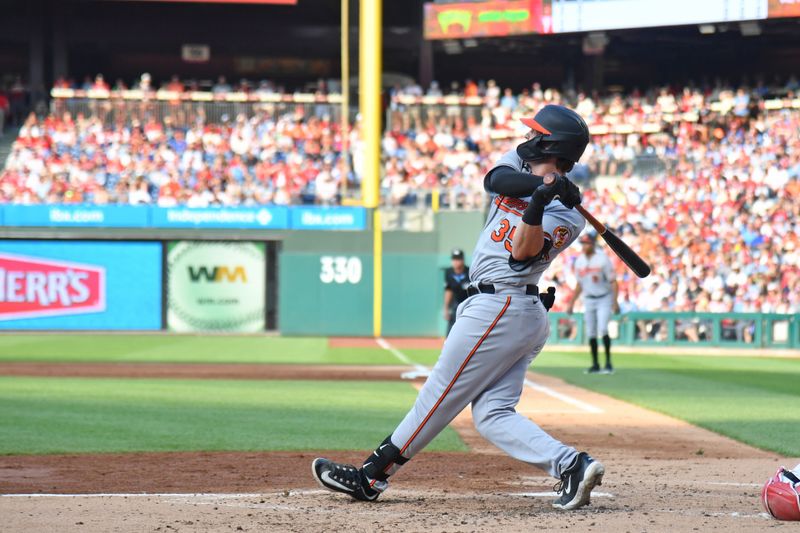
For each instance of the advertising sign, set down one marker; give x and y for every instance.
(784, 8)
(270, 217)
(336, 218)
(483, 19)
(267, 217)
(216, 286)
(80, 285)
(495, 18)
(106, 216)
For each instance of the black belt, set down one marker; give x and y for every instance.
(595, 297)
(488, 288)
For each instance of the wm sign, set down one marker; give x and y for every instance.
(217, 274)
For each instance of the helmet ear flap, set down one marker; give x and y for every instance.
(532, 149)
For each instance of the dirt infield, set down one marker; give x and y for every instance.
(204, 371)
(662, 475)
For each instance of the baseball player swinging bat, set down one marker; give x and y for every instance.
(623, 251)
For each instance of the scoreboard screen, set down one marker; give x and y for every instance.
(493, 18)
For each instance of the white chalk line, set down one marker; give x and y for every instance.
(199, 495)
(550, 494)
(583, 406)
(733, 514)
(219, 499)
(730, 484)
(423, 371)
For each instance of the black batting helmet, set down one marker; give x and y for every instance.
(561, 132)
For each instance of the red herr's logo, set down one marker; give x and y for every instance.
(34, 287)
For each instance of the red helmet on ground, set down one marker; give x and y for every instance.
(781, 494)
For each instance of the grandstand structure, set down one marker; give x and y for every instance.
(699, 174)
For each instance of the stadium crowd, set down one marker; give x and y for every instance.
(715, 213)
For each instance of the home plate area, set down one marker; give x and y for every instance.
(661, 474)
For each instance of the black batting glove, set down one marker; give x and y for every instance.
(572, 194)
(543, 195)
(548, 298)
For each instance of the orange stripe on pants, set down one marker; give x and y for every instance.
(455, 378)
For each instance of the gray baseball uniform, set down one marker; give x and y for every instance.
(595, 275)
(494, 340)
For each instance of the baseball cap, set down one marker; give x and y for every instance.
(587, 238)
(457, 253)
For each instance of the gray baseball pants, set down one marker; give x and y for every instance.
(483, 362)
(597, 313)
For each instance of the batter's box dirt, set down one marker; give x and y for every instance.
(655, 481)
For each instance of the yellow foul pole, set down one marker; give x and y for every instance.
(369, 88)
(345, 119)
(369, 93)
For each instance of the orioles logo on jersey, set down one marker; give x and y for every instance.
(560, 236)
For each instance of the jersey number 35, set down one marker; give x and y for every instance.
(505, 232)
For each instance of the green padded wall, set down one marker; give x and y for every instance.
(313, 300)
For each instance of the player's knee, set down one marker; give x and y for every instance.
(486, 419)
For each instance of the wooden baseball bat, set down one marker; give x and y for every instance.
(623, 251)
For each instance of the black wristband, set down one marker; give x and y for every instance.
(533, 214)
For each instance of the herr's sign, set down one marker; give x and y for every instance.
(33, 287)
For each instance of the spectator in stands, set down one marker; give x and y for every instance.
(711, 176)
(175, 85)
(99, 84)
(145, 83)
(222, 86)
(508, 101)
(434, 89)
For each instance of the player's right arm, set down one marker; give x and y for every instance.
(448, 299)
(577, 292)
(510, 178)
(506, 181)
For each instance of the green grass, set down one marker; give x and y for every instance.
(76, 415)
(185, 349)
(753, 400)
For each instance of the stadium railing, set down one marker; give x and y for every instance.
(182, 108)
(422, 108)
(728, 330)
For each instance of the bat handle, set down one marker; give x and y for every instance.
(599, 227)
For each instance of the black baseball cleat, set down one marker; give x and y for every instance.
(345, 478)
(577, 482)
(592, 370)
(607, 370)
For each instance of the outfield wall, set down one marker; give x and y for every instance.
(299, 282)
(308, 271)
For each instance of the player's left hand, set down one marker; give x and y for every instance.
(572, 194)
(615, 308)
(546, 193)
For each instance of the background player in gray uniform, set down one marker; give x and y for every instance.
(502, 326)
(598, 285)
